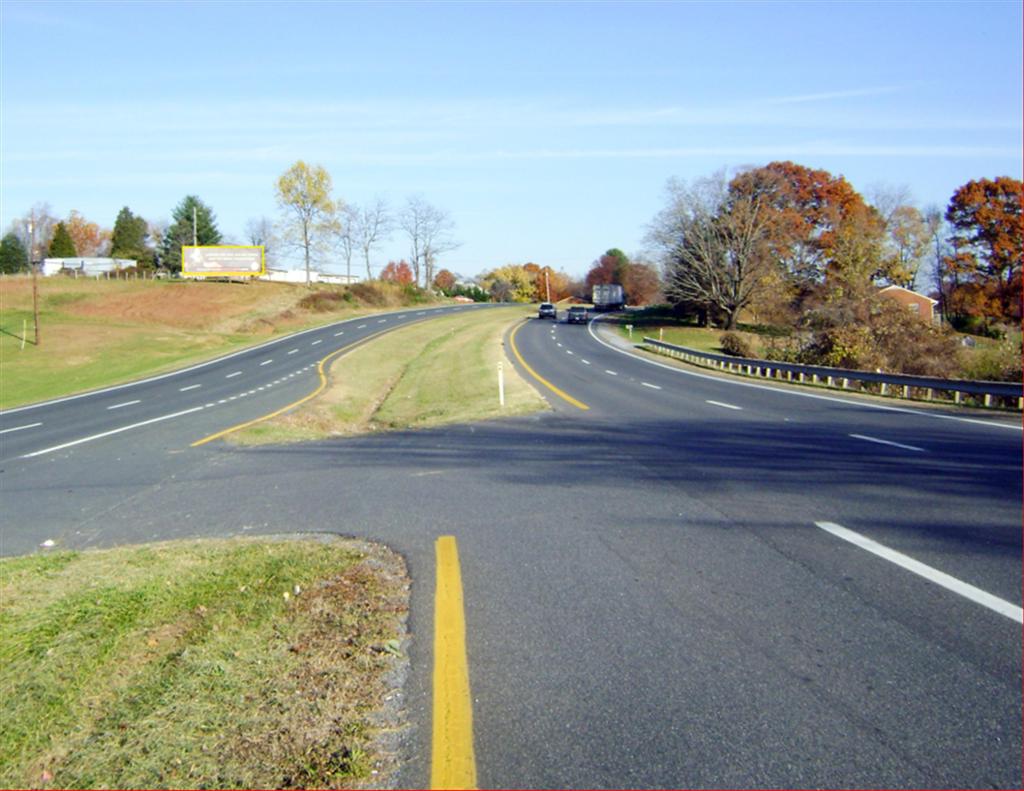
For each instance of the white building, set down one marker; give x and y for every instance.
(85, 266)
(299, 276)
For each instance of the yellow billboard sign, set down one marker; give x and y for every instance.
(223, 260)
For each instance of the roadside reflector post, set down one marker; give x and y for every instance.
(629, 329)
(501, 384)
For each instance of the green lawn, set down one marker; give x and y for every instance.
(440, 371)
(192, 664)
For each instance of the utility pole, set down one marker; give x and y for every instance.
(195, 242)
(547, 286)
(32, 263)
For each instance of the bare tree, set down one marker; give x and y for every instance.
(429, 230)
(713, 245)
(372, 226)
(260, 232)
(348, 219)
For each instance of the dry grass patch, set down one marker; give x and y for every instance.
(234, 663)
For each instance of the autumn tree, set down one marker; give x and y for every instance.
(444, 281)
(984, 217)
(642, 283)
(192, 222)
(62, 246)
(89, 239)
(400, 273)
(13, 255)
(908, 241)
(609, 268)
(510, 283)
(128, 239)
(310, 213)
(804, 209)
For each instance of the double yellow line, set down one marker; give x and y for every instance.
(560, 393)
(321, 370)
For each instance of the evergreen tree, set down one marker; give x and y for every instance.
(180, 232)
(129, 238)
(13, 256)
(62, 245)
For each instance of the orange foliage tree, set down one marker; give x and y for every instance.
(984, 271)
(400, 273)
(444, 280)
(90, 240)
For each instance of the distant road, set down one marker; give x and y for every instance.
(690, 583)
(202, 398)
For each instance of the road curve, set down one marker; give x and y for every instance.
(652, 598)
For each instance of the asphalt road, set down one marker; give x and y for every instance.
(650, 599)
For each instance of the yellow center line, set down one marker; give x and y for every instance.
(453, 764)
(560, 393)
(323, 384)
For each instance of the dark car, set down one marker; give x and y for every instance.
(577, 315)
(547, 311)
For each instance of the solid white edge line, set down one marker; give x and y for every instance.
(785, 391)
(126, 403)
(977, 595)
(724, 405)
(111, 432)
(19, 428)
(888, 442)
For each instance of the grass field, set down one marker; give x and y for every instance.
(198, 664)
(97, 333)
(439, 371)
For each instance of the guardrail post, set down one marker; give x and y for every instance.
(830, 382)
(957, 397)
(846, 383)
(906, 391)
(885, 388)
(988, 399)
(930, 394)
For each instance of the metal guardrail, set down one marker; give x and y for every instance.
(898, 385)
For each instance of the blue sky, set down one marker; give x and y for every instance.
(546, 130)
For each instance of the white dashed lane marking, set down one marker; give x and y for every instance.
(126, 403)
(20, 428)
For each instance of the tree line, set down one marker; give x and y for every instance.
(313, 224)
(779, 241)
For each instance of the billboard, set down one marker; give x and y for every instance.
(222, 261)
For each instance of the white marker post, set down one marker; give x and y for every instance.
(501, 384)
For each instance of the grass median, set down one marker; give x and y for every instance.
(198, 664)
(439, 371)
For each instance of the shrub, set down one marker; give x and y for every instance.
(735, 345)
(321, 301)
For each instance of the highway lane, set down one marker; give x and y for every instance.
(649, 601)
(236, 387)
